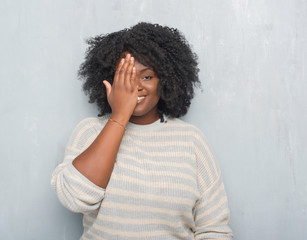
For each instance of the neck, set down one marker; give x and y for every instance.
(146, 119)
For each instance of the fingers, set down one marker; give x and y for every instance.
(128, 73)
(122, 95)
(133, 78)
(123, 69)
(118, 69)
(108, 87)
(125, 72)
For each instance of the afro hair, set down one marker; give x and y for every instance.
(162, 48)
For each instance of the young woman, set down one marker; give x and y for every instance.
(137, 171)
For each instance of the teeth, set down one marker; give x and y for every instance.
(140, 99)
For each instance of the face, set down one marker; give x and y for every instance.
(146, 110)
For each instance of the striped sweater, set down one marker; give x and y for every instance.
(165, 185)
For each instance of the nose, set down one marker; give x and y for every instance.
(139, 83)
(140, 87)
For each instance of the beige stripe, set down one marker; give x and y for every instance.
(211, 210)
(81, 132)
(139, 234)
(62, 166)
(141, 171)
(157, 154)
(93, 234)
(173, 127)
(205, 145)
(220, 238)
(164, 144)
(216, 219)
(166, 133)
(89, 218)
(140, 208)
(203, 183)
(157, 163)
(71, 149)
(83, 184)
(154, 184)
(145, 196)
(183, 124)
(62, 195)
(69, 157)
(143, 221)
(212, 197)
(202, 159)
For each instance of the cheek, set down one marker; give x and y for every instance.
(153, 88)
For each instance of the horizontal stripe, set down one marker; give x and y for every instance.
(147, 196)
(207, 212)
(141, 208)
(157, 163)
(157, 154)
(155, 184)
(70, 157)
(143, 221)
(138, 234)
(164, 143)
(146, 172)
(217, 219)
(167, 133)
(91, 233)
(212, 197)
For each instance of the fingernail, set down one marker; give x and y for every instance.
(132, 58)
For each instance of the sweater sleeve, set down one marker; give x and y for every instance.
(211, 212)
(74, 190)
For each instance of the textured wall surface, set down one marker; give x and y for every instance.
(252, 107)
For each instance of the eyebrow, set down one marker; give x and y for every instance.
(145, 69)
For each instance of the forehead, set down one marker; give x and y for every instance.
(138, 65)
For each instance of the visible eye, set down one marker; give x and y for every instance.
(147, 77)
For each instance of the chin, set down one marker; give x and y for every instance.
(138, 114)
(145, 112)
(139, 111)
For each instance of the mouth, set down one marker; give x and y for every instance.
(141, 98)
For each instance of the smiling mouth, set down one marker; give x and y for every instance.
(141, 98)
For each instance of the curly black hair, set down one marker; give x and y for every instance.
(162, 48)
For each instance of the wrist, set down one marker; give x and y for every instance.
(120, 118)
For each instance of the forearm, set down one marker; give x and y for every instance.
(97, 161)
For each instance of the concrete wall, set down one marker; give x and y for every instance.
(252, 108)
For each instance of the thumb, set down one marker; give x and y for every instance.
(108, 87)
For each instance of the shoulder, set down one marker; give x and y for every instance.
(86, 131)
(92, 122)
(176, 124)
(191, 134)
(89, 126)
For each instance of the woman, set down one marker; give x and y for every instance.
(137, 171)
